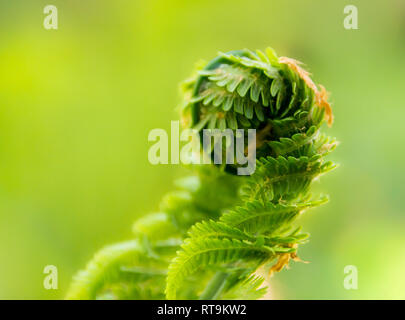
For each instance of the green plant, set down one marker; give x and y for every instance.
(213, 233)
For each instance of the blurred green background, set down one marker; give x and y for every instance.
(77, 104)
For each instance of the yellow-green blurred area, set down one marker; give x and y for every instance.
(77, 104)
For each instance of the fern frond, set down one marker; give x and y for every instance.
(216, 229)
(310, 143)
(155, 226)
(203, 253)
(257, 217)
(245, 81)
(280, 179)
(252, 60)
(105, 270)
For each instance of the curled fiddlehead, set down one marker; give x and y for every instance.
(224, 226)
(275, 96)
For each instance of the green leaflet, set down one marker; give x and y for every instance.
(198, 253)
(309, 143)
(258, 217)
(155, 226)
(214, 229)
(105, 270)
(284, 179)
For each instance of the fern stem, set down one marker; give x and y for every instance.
(215, 286)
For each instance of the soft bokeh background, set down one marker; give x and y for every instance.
(76, 106)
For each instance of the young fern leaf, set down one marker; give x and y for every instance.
(284, 179)
(216, 229)
(200, 253)
(277, 97)
(213, 233)
(107, 270)
(300, 144)
(257, 217)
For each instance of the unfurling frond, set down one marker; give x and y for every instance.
(277, 97)
(216, 229)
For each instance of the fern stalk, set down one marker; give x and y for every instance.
(215, 287)
(217, 229)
